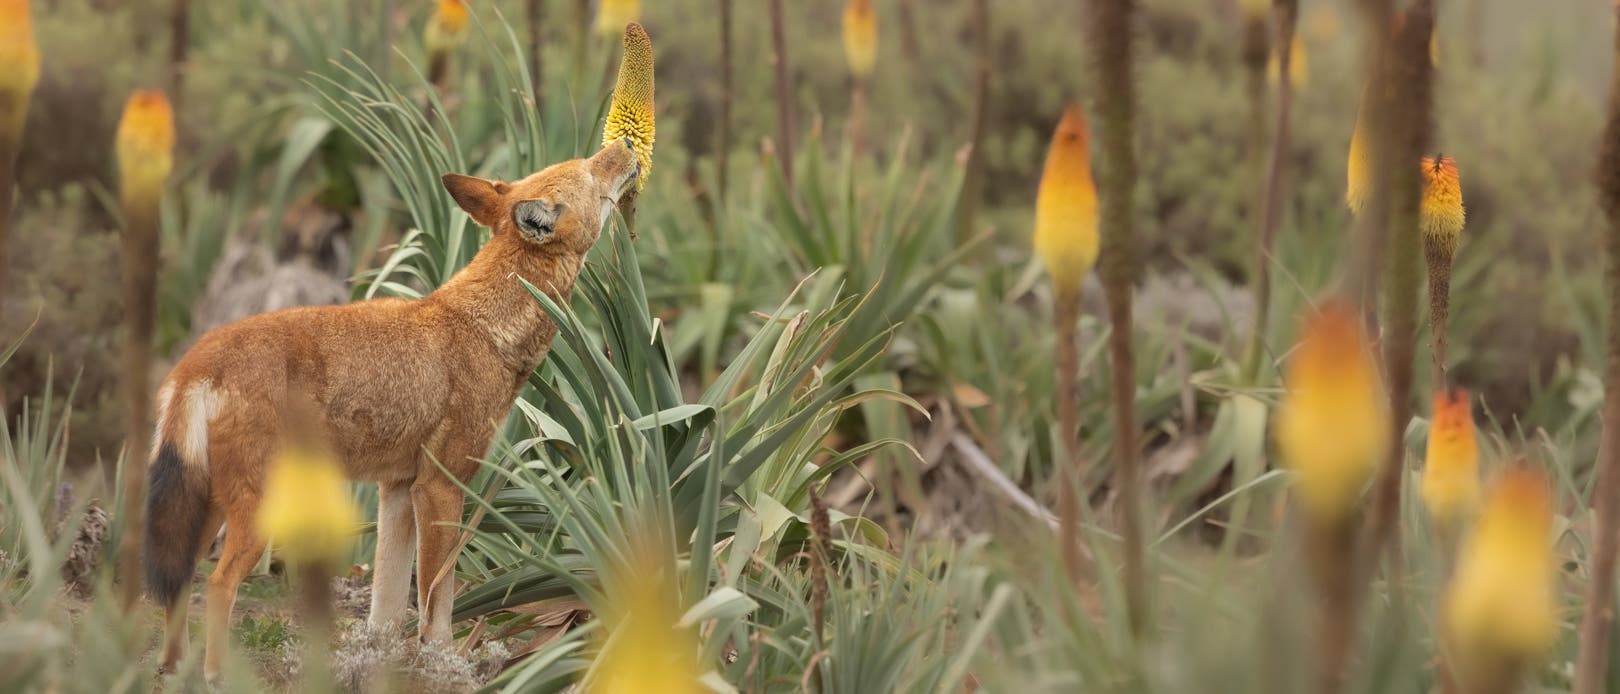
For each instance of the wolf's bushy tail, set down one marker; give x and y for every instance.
(176, 511)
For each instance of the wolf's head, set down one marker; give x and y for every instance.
(559, 210)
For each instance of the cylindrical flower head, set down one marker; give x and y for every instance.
(1066, 205)
(145, 145)
(1442, 216)
(19, 66)
(1500, 608)
(860, 37)
(612, 17)
(1298, 66)
(447, 28)
(646, 649)
(1451, 466)
(1333, 424)
(631, 113)
(306, 511)
(1358, 170)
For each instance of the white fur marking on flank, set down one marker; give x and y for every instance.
(165, 394)
(201, 404)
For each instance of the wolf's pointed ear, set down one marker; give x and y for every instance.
(480, 198)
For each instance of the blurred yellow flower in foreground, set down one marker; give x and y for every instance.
(19, 65)
(1332, 425)
(615, 14)
(1442, 216)
(145, 146)
(1499, 609)
(645, 649)
(1358, 170)
(860, 36)
(1298, 66)
(1066, 205)
(631, 114)
(1451, 466)
(447, 29)
(306, 511)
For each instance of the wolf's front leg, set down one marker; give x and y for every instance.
(396, 546)
(438, 503)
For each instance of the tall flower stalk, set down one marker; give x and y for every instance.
(1287, 15)
(1066, 242)
(1591, 664)
(860, 50)
(784, 91)
(535, 13)
(1331, 428)
(967, 206)
(145, 153)
(445, 32)
(1441, 220)
(1112, 28)
(722, 132)
(19, 73)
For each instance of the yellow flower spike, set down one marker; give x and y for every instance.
(631, 113)
(1256, 7)
(145, 146)
(1442, 215)
(615, 14)
(1066, 205)
(447, 29)
(860, 37)
(1451, 466)
(306, 511)
(1358, 168)
(1500, 609)
(1333, 424)
(1298, 66)
(645, 648)
(19, 66)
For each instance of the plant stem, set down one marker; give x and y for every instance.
(1407, 121)
(784, 92)
(315, 602)
(722, 145)
(536, 12)
(179, 15)
(908, 31)
(1438, 255)
(1066, 318)
(858, 87)
(140, 282)
(1112, 28)
(10, 144)
(1598, 621)
(967, 207)
(1287, 13)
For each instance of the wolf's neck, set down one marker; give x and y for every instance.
(487, 292)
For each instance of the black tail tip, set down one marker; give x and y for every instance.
(176, 511)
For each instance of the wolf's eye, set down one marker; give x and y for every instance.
(534, 217)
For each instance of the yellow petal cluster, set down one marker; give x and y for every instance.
(645, 649)
(19, 65)
(1500, 607)
(1358, 168)
(860, 37)
(1066, 205)
(145, 146)
(1442, 216)
(1298, 66)
(1451, 466)
(631, 113)
(1332, 426)
(306, 511)
(615, 14)
(447, 29)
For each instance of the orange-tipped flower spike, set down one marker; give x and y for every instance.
(19, 66)
(1500, 610)
(860, 37)
(646, 648)
(615, 14)
(447, 29)
(1442, 216)
(1066, 205)
(631, 114)
(1332, 425)
(145, 145)
(1358, 168)
(1451, 467)
(307, 511)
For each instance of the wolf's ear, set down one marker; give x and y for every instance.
(480, 198)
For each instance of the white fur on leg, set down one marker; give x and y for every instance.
(396, 548)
